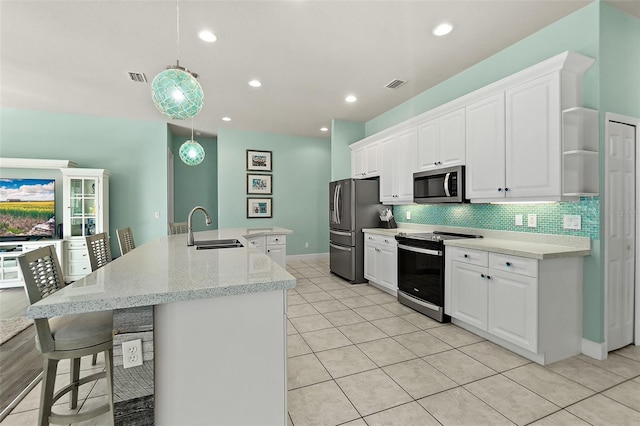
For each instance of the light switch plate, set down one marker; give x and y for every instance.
(532, 220)
(571, 221)
(408, 214)
(518, 220)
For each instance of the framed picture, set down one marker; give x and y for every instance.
(259, 208)
(259, 184)
(259, 160)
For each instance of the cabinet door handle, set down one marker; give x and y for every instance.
(435, 163)
(466, 256)
(506, 189)
(482, 275)
(268, 251)
(499, 189)
(508, 264)
(488, 277)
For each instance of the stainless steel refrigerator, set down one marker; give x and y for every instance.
(353, 205)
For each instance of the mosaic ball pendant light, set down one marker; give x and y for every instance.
(191, 153)
(177, 94)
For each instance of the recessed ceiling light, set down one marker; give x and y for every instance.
(255, 83)
(442, 29)
(208, 36)
(351, 98)
(324, 129)
(226, 118)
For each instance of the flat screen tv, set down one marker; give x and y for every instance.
(27, 209)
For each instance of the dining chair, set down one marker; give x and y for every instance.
(65, 337)
(99, 250)
(177, 228)
(125, 240)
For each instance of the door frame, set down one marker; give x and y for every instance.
(609, 117)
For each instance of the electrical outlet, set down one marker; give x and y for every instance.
(156, 215)
(408, 214)
(306, 245)
(518, 220)
(570, 221)
(532, 220)
(132, 353)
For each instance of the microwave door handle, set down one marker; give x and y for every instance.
(446, 184)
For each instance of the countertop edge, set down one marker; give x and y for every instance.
(538, 251)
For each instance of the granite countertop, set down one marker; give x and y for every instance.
(532, 250)
(389, 232)
(166, 270)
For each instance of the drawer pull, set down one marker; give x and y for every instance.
(466, 256)
(508, 264)
(488, 277)
(482, 275)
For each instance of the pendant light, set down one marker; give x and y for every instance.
(175, 91)
(191, 152)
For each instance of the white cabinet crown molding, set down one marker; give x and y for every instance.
(34, 163)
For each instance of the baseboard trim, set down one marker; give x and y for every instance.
(594, 349)
(310, 256)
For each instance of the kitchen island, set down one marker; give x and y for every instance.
(213, 326)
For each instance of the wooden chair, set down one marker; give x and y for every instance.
(177, 228)
(99, 250)
(125, 240)
(65, 337)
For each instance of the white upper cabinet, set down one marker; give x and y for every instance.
(397, 154)
(441, 141)
(485, 170)
(365, 162)
(533, 145)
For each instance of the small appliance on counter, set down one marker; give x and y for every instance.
(421, 271)
(353, 205)
(386, 219)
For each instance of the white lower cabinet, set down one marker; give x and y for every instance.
(10, 275)
(381, 262)
(77, 263)
(274, 246)
(532, 307)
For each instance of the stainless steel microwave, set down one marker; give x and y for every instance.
(439, 186)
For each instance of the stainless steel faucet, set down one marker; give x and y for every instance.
(189, 229)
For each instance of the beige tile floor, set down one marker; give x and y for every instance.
(357, 357)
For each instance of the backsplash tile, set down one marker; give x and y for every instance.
(501, 217)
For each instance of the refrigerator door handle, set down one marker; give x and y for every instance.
(346, 234)
(333, 206)
(339, 247)
(338, 195)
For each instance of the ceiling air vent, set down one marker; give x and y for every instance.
(138, 77)
(395, 83)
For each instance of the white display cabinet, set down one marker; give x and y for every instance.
(10, 275)
(86, 212)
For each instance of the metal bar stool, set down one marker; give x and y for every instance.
(99, 250)
(65, 337)
(125, 240)
(177, 228)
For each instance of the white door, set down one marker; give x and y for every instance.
(371, 262)
(357, 163)
(388, 173)
(372, 162)
(469, 294)
(428, 144)
(388, 267)
(620, 205)
(533, 150)
(485, 148)
(513, 308)
(405, 165)
(452, 139)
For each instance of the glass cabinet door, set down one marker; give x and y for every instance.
(83, 206)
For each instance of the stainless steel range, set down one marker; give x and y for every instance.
(421, 271)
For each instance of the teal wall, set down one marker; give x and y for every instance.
(135, 152)
(301, 175)
(577, 32)
(195, 185)
(502, 217)
(343, 134)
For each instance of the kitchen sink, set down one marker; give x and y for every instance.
(217, 244)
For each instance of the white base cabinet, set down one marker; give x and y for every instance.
(381, 262)
(274, 246)
(10, 275)
(532, 307)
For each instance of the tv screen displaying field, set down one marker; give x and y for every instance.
(27, 208)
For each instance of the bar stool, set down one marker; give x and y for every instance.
(65, 337)
(177, 228)
(99, 250)
(125, 240)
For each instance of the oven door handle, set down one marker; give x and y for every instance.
(339, 248)
(446, 184)
(420, 250)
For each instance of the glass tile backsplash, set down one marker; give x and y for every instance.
(501, 217)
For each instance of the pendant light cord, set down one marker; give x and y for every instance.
(178, 31)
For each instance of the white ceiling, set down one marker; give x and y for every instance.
(73, 56)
